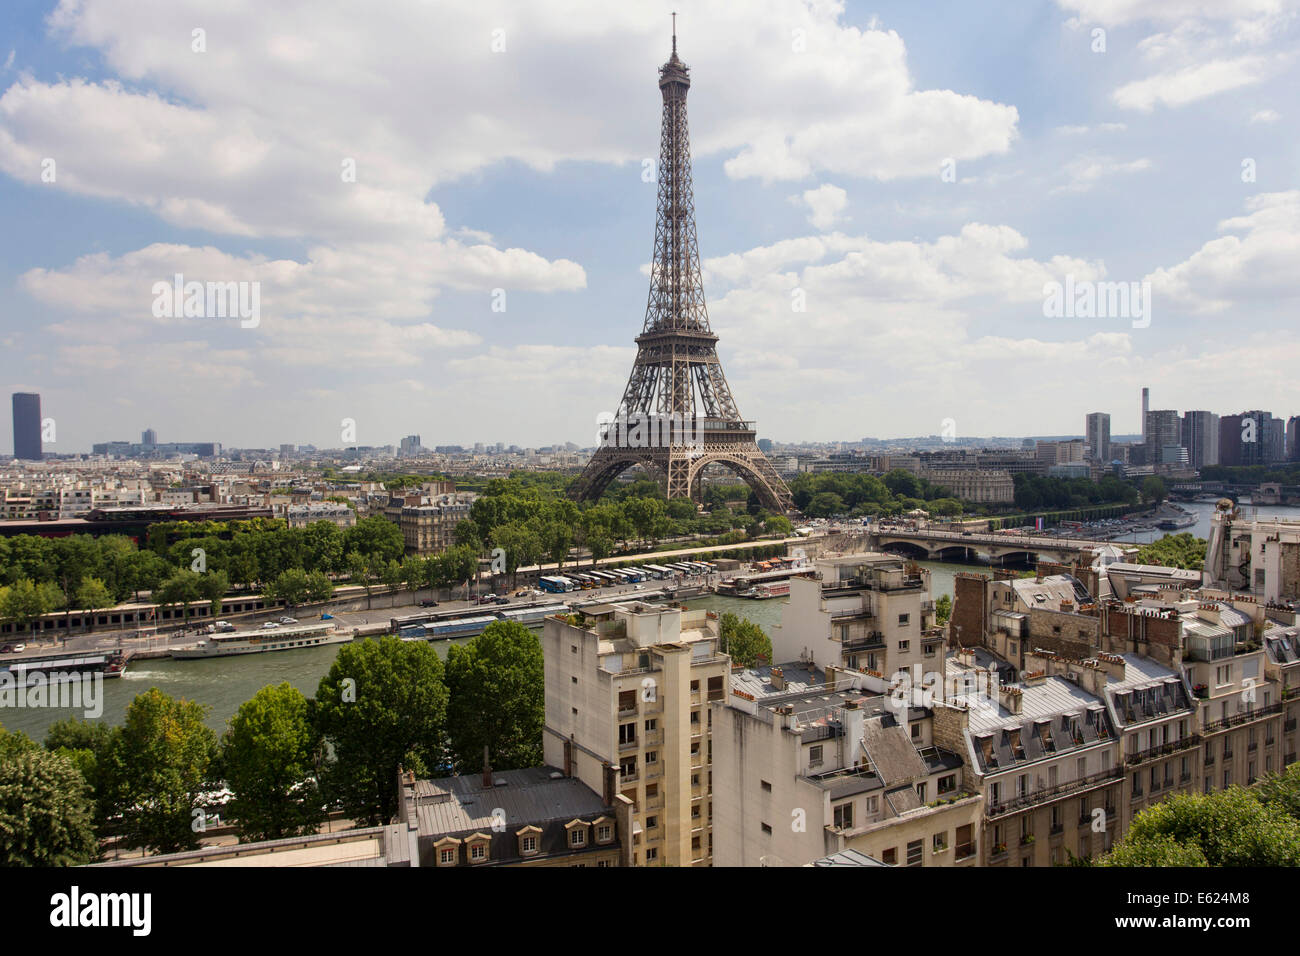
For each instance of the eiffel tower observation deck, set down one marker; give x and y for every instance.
(678, 416)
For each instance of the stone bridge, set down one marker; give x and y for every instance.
(935, 545)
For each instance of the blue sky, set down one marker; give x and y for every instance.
(820, 131)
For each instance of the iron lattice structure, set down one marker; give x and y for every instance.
(677, 389)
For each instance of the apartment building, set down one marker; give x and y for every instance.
(627, 689)
(1044, 755)
(428, 522)
(812, 762)
(982, 486)
(335, 512)
(537, 816)
(870, 612)
(1259, 556)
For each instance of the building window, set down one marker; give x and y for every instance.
(447, 855)
(939, 841)
(873, 804)
(626, 733)
(767, 787)
(916, 731)
(766, 829)
(651, 725)
(948, 784)
(844, 817)
(651, 823)
(651, 854)
(528, 844)
(652, 756)
(915, 853)
(578, 837)
(890, 856)
(815, 755)
(478, 851)
(603, 863)
(904, 619)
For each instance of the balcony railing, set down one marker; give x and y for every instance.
(1160, 750)
(1244, 718)
(1039, 796)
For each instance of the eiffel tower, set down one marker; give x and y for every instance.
(677, 415)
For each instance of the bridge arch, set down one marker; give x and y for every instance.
(906, 549)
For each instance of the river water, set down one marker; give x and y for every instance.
(224, 683)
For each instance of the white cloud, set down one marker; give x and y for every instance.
(1086, 171)
(1251, 268)
(1265, 116)
(825, 203)
(1190, 84)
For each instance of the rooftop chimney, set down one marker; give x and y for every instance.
(778, 679)
(487, 770)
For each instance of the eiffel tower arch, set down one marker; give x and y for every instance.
(677, 392)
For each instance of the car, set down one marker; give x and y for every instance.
(18, 648)
(501, 600)
(7, 649)
(638, 587)
(487, 599)
(428, 604)
(522, 592)
(327, 617)
(269, 625)
(288, 620)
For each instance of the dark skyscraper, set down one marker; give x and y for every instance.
(27, 426)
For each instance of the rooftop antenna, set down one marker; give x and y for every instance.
(674, 33)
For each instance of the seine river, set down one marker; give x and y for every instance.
(223, 684)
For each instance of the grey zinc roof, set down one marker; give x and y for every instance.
(1282, 644)
(891, 752)
(848, 858)
(456, 805)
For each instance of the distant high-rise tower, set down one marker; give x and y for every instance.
(677, 416)
(1200, 436)
(1097, 434)
(149, 437)
(27, 426)
(1146, 407)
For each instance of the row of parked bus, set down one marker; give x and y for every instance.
(587, 580)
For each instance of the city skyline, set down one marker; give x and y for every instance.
(1069, 163)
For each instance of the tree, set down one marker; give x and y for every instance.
(824, 505)
(360, 571)
(1174, 551)
(1153, 489)
(943, 609)
(181, 588)
(744, 640)
(375, 537)
(159, 765)
(1281, 790)
(496, 687)
(88, 744)
(778, 525)
(1228, 828)
(46, 812)
(213, 586)
(270, 755)
(92, 594)
(26, 602)
(319, 587)
(381, 707)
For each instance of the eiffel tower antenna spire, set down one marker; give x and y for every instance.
(678, 416)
